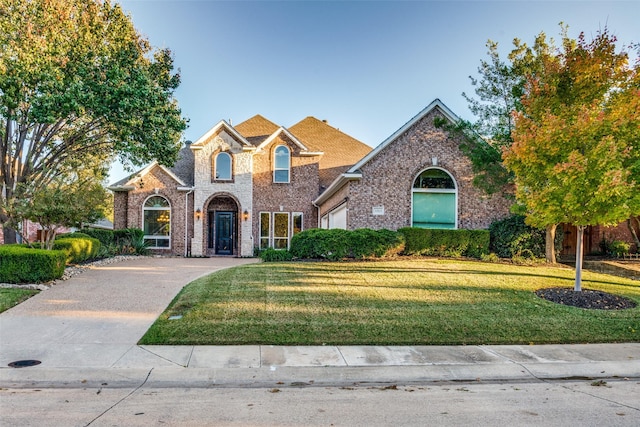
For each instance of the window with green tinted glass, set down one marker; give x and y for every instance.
(434, 200)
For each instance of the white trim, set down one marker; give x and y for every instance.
(354, 172)
(200, 142)
(215, 167)
(152, 236)
(260, 236)
(288, 169)
(280, 130)
(288, 236)
(337, 184)
(435, 104)
(436, 191)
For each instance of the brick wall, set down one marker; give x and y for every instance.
(296, 196)
(156, 182)
(387, 181)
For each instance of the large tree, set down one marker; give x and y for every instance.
(77, 80)
(576, 150)
(498, 91)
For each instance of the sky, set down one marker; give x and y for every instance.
(367, 67)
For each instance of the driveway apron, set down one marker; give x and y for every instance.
(93, 319)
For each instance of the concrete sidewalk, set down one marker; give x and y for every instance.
(84, 332)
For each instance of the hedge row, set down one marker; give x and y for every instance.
(450, 243)
(26, 265)
(78, 247)
(337, 244)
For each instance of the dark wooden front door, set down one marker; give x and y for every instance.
(224, 232)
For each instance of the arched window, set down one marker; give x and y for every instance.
(281, 164)
(434, 200)
(222, 167)
(157, 223)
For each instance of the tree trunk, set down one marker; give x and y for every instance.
(578, 285)
(550, 243)
(9, 235)
(633, 232)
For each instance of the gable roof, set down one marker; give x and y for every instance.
(221, 125)
(340, 150)
(354, 173)
(257, 129)
(435, 104)
(128, 183)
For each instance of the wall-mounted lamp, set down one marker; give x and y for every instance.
(245, 215)
(198, 214)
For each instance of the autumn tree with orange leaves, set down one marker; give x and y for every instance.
(576, 142)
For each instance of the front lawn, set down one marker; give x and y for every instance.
(399, 302)
(13, 296)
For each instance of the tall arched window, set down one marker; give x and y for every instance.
(434, 200)
(281, 164)
(222, 167)
(157, 223)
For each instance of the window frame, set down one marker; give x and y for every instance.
(277, 169)
(262, 238)
(215, 167)
(155, 238)
(453, 191)
(286, 238)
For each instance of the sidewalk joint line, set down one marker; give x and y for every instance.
(164, 358)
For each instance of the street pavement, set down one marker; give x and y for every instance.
(84, 332)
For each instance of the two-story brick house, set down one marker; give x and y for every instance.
(256, 184)
(236, 188)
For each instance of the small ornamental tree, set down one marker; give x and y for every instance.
(576, 150)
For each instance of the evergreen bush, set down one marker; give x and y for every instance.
(19, 264)
(275, 255)
(106, 237)
(337, 244)
(512, 237)
(446, 243)
(77, 248)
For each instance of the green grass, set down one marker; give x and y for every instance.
(10, 297)
(400, 302)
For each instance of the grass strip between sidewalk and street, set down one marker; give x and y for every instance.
(395, 302)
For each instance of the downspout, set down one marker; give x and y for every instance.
(186, 221)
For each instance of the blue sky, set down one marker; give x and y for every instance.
(365, 66)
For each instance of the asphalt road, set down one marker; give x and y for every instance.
(614, 402)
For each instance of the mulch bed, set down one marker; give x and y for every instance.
(589, 299)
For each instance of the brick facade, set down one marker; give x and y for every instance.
(382, 197)
(376, 188)
(128, 207)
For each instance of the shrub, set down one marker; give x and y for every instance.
(106, 237)
(130, 241)
(25, 265)
(619, 248)
(434, 242)
(367, 243)
(512, 237)
(275, 255)
(337, 244)
(78, 249)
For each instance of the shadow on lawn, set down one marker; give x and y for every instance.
(395, 270)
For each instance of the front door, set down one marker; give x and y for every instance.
(224, 232)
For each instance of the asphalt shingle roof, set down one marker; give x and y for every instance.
(341, 151)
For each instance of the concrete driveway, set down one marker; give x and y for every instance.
(94, 318)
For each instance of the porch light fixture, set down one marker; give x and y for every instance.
(198, 214)
(245, 215)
